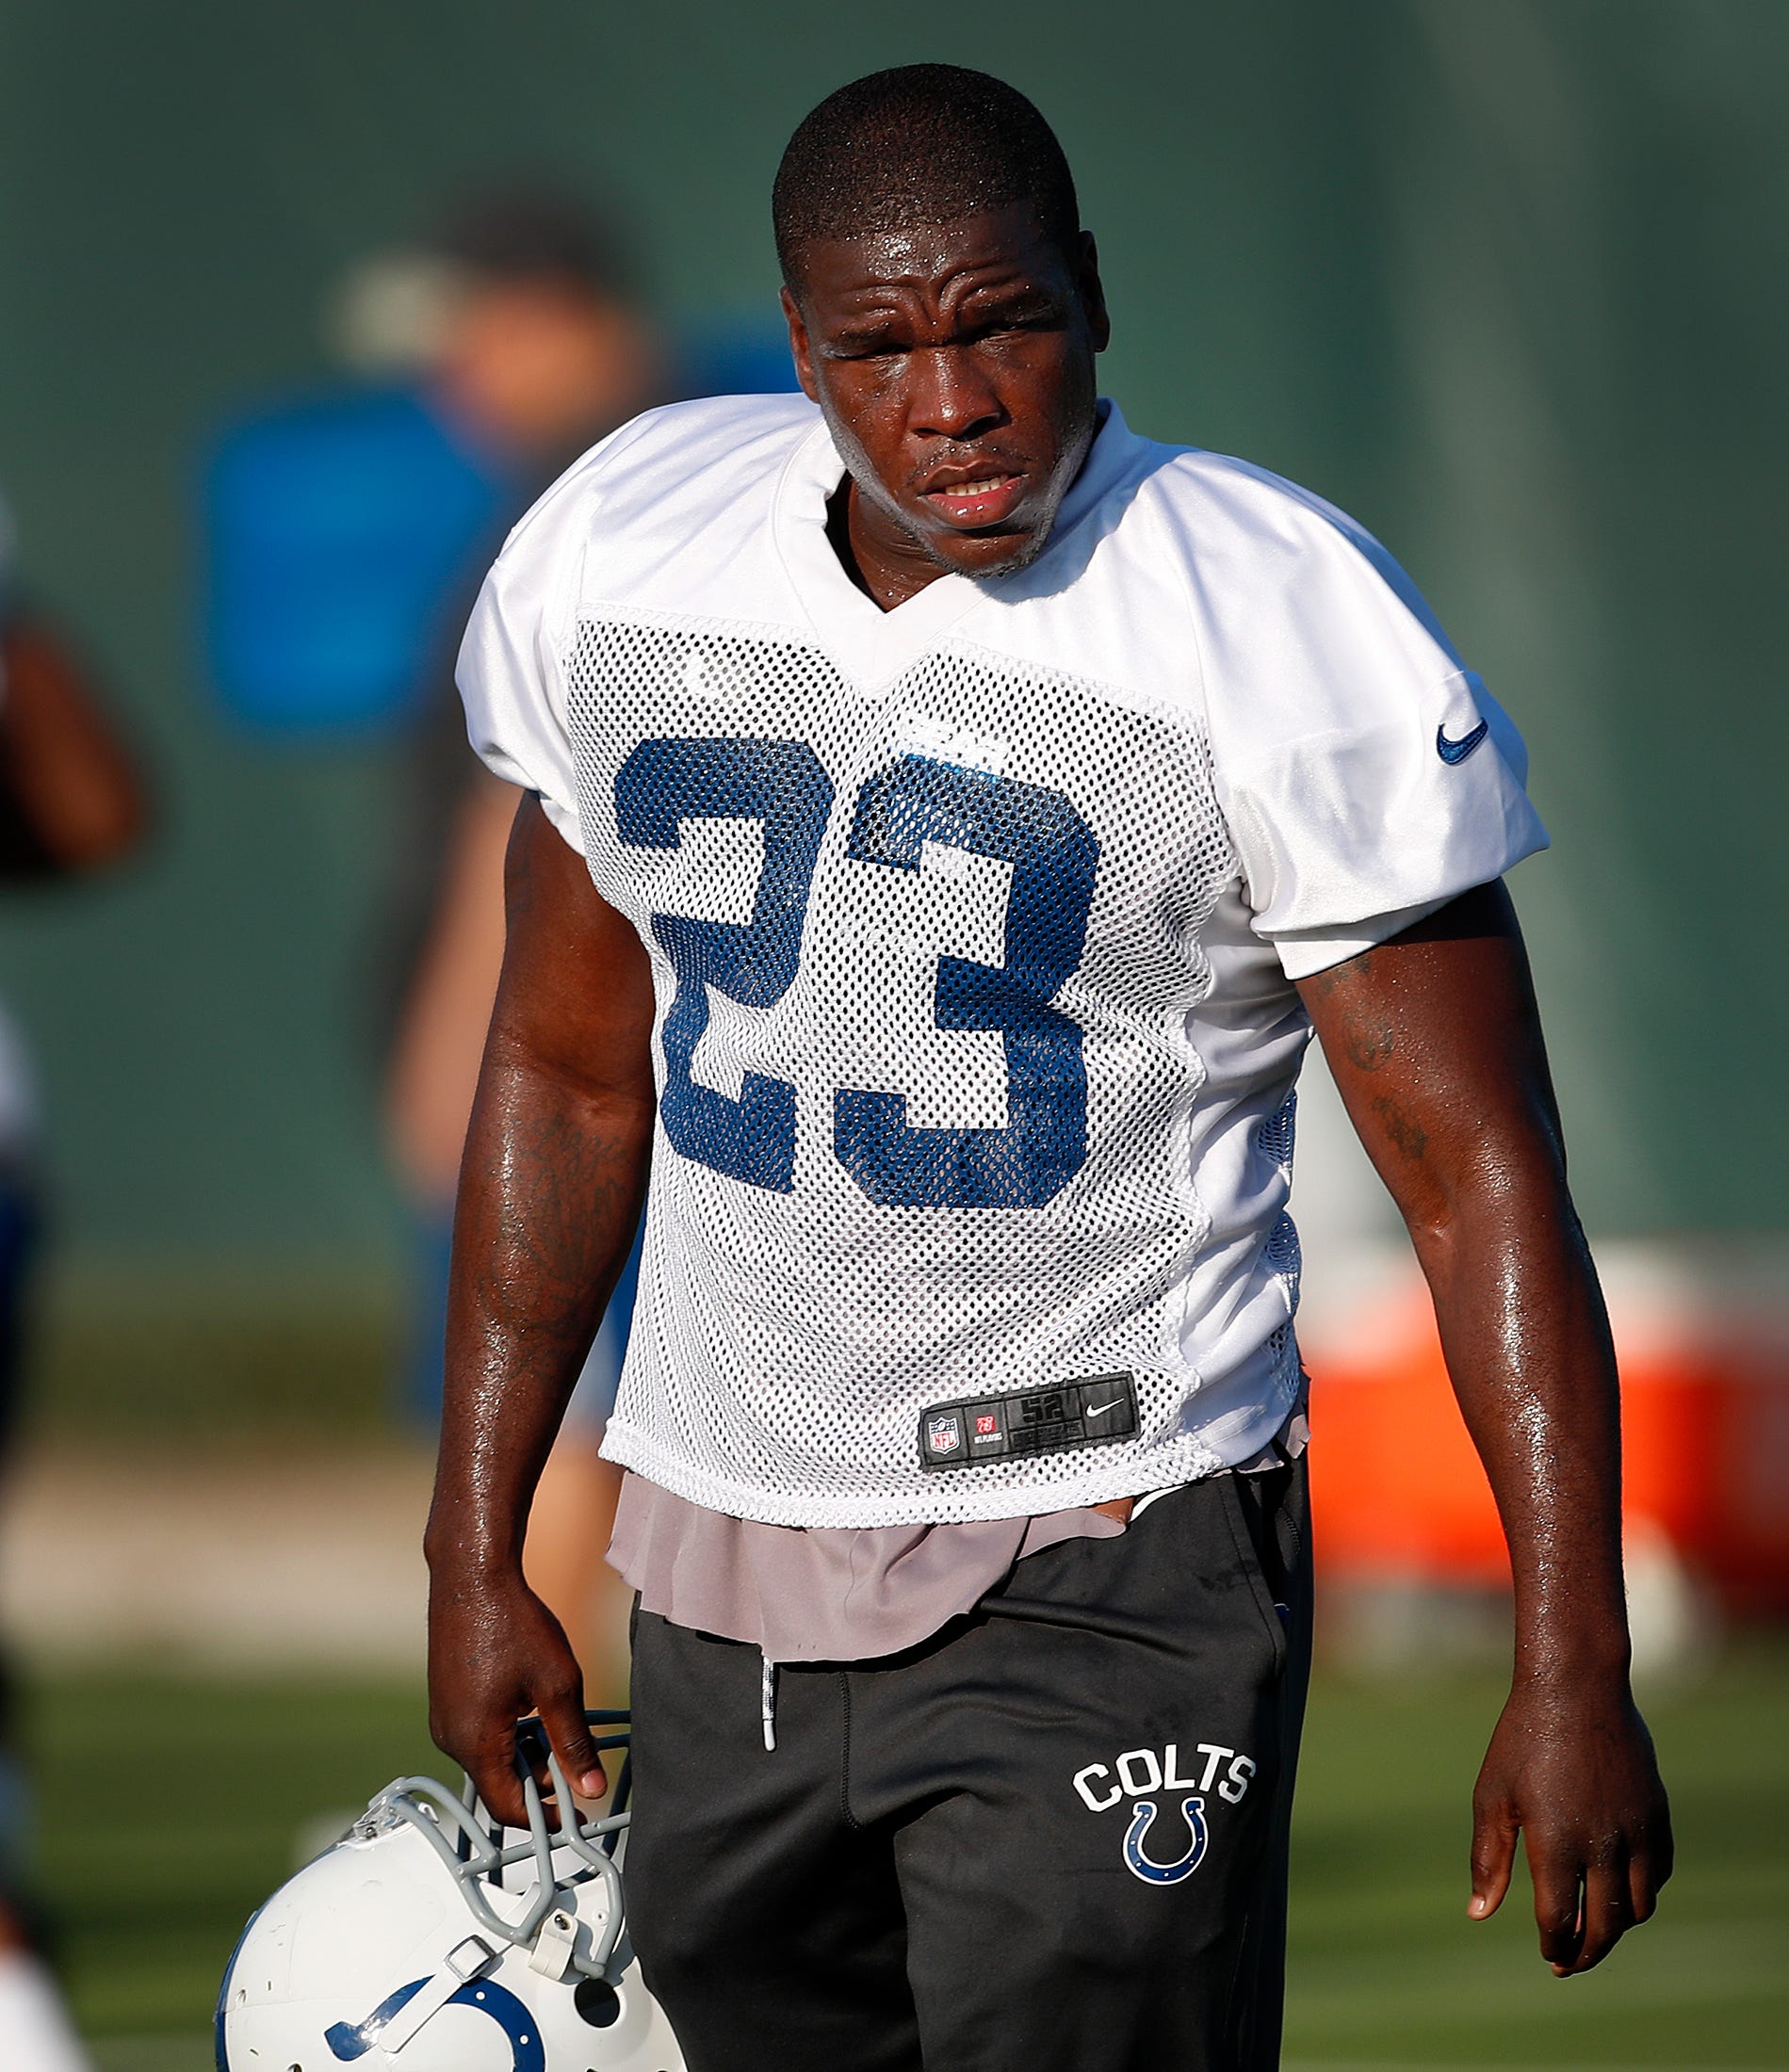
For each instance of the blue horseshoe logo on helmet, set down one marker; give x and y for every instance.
(1184, 1865)
(527, 2052)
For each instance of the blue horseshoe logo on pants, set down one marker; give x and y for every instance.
(1184, 1865)
(526, 2053)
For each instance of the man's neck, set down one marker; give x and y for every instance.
(887, 576)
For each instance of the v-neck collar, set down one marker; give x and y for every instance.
(872, 646)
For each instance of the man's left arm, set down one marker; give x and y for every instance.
(1435, 1043)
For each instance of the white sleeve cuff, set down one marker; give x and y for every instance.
(1304, 952)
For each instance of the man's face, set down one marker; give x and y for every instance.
(954, 366)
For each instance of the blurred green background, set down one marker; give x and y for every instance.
(1503, 279)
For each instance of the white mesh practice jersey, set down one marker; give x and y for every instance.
(973, 926)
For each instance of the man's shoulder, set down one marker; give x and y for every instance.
(1251, 539)
(674, 465)
(735, 435)
(709, 448)
(1228, 501)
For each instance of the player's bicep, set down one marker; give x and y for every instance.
(1434, 1041)
(575, 999)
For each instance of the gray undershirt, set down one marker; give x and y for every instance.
(836, 1594)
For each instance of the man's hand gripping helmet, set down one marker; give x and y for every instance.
(426, 1940)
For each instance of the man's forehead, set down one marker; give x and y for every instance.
(993, 247)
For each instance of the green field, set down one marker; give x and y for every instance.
(170, 1808)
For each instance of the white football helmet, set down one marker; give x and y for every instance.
(432, 1940)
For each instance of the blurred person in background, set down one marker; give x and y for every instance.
(532, 346)
(71, 804)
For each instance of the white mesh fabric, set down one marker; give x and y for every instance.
(1031, 856)
(975, 926)
(1283, 1253)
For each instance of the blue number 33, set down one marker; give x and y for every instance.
(1054, 860)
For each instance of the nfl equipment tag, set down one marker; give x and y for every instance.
(1035, 1420)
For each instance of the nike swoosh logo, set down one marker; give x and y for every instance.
(1100, 1410)
(1456, 751)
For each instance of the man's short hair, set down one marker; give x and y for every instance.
(915, 145)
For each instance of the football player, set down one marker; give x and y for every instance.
(950, 814)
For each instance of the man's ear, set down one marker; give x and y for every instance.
(1093, 293)
(798, 347)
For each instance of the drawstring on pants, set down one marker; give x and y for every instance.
(768, 1703)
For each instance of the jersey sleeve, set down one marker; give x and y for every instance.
(1367, 776)
(510, 670)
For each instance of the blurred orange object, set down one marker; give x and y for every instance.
(1397, 1492)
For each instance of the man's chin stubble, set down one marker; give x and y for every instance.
(1026, 548)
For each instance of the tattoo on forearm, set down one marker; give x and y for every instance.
(1369, 1047)
(1367, 1038)
(1404, 1131)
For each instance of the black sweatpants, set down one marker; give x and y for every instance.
(1052, 1838)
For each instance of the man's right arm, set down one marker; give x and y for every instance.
(550, 1191)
